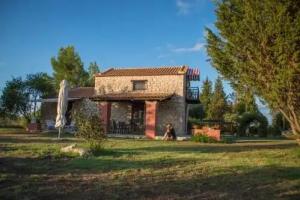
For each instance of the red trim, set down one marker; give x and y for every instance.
(105, 110)
(151, 119)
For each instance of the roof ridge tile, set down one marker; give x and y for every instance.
(145, 71)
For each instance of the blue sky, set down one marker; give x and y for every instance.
(111, 32)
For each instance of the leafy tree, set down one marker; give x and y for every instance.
(69, 66)
(19, 97)
(205, 97)
(230, 115)
(218, 105)
(2, 112)
(257, 48)
(245, 102)
(39, 85)
(15, 99)
(93, 69)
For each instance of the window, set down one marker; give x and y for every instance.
(139, 85)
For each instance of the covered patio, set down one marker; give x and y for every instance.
(131, 112)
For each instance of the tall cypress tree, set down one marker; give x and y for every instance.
(205, 97)
(218, 105)
(257, 46)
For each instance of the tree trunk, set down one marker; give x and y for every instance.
(293, 119)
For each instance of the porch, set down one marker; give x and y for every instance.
(131, 113)
(130, 118)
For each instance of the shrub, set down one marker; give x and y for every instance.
(203, 138)
(274, 131)
(228, 139)
(88, 123)
(10, 123)
(255, 123)
(24, 122)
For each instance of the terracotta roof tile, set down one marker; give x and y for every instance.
(129, 96)
(145, 71)
(81, 92)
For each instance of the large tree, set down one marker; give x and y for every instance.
(68, 66)
(39, 85)
(15, 99)
(92, 70)
(218, 104)
(258, 48)
(205, 97)
(20, 97)
(245, 102)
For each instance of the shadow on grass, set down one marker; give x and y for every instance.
(37, 139)
(68, 164)
(7, 149)
(256, 183)
(216, 148)
(259, 140)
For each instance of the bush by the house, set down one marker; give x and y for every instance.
(88, 123)
(203, 138)
(253, 123)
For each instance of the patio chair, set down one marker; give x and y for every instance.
(50, 124)
(124, 128)
(71, 127)
(114, 127)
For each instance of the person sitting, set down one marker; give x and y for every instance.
(170, 133)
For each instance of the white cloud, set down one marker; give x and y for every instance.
(183, 7)
(162, 56)
(197, 47)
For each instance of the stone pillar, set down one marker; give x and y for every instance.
(151, 118)
(105, 111)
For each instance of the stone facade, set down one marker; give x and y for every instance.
(168, 111)
(160, 84)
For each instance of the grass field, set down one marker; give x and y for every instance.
(32, 167)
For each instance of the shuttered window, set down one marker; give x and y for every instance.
(139, 85)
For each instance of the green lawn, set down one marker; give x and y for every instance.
(32, 167)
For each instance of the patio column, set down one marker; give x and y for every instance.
(151, 118)
(105, 111)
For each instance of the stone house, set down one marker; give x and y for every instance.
(143, 100)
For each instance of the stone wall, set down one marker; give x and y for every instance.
(169, 111)
(158, 84)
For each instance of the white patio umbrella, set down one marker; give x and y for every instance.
(62, 104)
